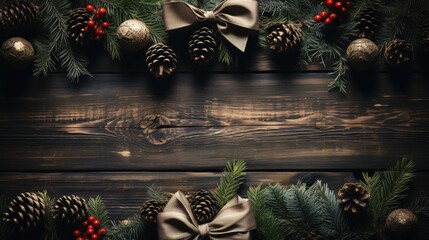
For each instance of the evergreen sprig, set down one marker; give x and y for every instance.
(130, 229)
(230, 181)
(50, 232)
(420, 206)
(56, 45)
(269, 226)
(97, 208)
(157, 194)
(388, 189)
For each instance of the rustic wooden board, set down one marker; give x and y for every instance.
(274, 121)
(124, 192)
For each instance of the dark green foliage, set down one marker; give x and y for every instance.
(388, 189)
(50, 232)
(269, 226)
(230, 181)
(131, 229)
(97, 208)
(420, 206)
(157, 194)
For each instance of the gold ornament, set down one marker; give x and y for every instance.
(401, 223)
(361, 54)
(17, 53)
(133, 35)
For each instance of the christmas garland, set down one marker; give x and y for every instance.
(300, 31)
(371, 209)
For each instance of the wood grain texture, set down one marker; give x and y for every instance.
(273, 121)
(124, 192)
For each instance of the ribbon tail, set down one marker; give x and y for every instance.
(239, 41)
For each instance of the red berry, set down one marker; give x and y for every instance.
(344, 10)
(85, 223)
(97, 16)
(333, 16)
(80, 238)
(90, 23)
(96, 222)
(328, 21)
(349, 4)
(90, 8)
(94, 237)
(99, 32)
(105, 24)
(317, 18)
(329, 3)
(90, 226)
(324, 14)
(90, 231)
(102, 11)
(102, 231)
(97, 38)
(91, 218)
(338, 4)
(86, 29)
(77, 233)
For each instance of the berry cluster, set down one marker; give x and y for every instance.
(98, 21)
(337, 9)
(91, 230)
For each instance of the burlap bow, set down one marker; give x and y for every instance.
(235, 19)
(234, 221)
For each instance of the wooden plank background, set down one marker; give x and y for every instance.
(119, 132)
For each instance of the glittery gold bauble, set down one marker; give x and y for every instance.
(401, 224)
(361, 54)
(133, 35)
(17, 53)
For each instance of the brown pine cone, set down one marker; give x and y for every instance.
(203, 206)
(398, 52)
(283, 38)
(353, 197)
(161, 60)
(150, 209)
(202, 46)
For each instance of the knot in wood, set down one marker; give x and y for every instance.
(156, 128)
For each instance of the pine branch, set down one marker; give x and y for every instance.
(277, 200)
(388, 189)
(44, 61)
(157, 194)
(225, 54)
(97, 208)
(130, 229)
(358, 6)
(269, 227)
(50, 232)
(230, 181)
(420, 206)
(54, 20)
(340, 70)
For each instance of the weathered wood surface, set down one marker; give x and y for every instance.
(274, 121)
(120, 132)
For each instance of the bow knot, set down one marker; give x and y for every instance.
(210, 15)
(235, 19)
(233, 222)
(204, 230)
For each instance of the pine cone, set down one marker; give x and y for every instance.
(19, 17)
(353, 197)
(25, 213)
(161, 59)
(398, 52)
(203, 206)
(284, 38)
(368, 21)
(70, 210)
(202, 46)
(76, 23)
(150, 209)
(424, 42)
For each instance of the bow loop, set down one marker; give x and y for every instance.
(234, 221)
(235, 19)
